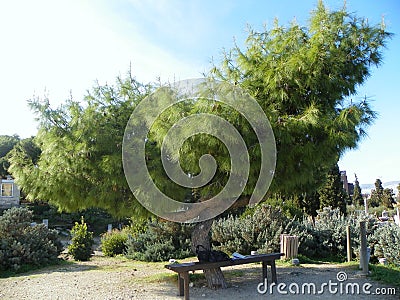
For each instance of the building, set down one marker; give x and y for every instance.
(348, 187)
(9, 193)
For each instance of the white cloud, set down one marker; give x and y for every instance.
(64, 46)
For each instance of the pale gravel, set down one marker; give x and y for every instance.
(104, 278)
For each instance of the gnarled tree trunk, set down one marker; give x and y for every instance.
(200, 236)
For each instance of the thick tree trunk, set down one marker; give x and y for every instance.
(200, 236)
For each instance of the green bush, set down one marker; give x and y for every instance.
(385, 242)
(161, 241)
(327, 237)
(82, 242)
(259, 230)
(324, 239)
(114, 243)
(22, 244)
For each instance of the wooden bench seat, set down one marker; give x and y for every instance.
(184, 268)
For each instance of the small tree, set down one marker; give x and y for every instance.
(332, 193)
(376, 194)
(357, 196)
(82, 242)
(388, 198)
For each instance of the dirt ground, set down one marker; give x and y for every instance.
(120, 278)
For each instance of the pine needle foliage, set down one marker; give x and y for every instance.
(80, 164)
(303, 76)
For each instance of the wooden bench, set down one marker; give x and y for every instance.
(184, 268)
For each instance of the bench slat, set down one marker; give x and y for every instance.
(192, 266)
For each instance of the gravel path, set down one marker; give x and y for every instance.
(117, 278)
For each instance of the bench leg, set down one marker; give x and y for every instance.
(183, 284)
(186, 285)
(180, 284)
(264, 270)
(273, 271)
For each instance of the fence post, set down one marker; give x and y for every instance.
(363, 250)
(348, 243)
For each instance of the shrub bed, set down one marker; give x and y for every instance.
(22, 244)
(161, 241)
(114, 243)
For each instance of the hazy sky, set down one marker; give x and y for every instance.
(60, 48)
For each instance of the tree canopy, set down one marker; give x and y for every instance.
(302, 77)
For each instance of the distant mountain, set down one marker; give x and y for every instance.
(366, 188)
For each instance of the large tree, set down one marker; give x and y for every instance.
(301, 76)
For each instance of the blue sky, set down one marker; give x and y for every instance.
(60, 48)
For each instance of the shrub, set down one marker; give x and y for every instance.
(259, 231)
(114, 243)
(22, 244)
(260, 228)
(385, 243)
(82, 242)
(327, 238)
(161, 241)
(310, 240)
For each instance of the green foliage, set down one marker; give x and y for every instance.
(7, 143)
(357, 196)
(331, 193)
(377, 211)
(80, 164)
(161, 241)
(22, 244)
(257, 231)
(96, 218)
(385, 242)
(137, 226)
(260, 229)
(301, 77)
(376, 194)
(388, 198)
(327, 237)
(309, 202)
(82, 242)
(114, 243)
(289, 205)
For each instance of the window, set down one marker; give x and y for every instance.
(6, 189)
